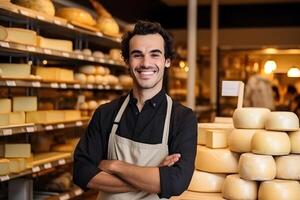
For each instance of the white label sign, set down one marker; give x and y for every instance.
(230, 88)
(7, 131)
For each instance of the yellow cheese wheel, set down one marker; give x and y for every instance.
(295, 141)
(288, 167)
(279, 190)
(239, 140)
(4, 167)
(88, 69)
(91, 79)
(108, 26)
(250, 118)
(282, 121)
(271, 143)
(76, 14)
(45, 6)
(257, 167)
(80, 77)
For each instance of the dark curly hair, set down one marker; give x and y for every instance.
(144, 28)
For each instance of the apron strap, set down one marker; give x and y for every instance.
(167, 121)
(119, 115)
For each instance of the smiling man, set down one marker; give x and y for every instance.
(141, 145)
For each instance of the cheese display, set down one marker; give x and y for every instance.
(4, 167)
(282, 121)
(295, 141)
(288, 167)
(72, 115)
(216, 139)
(88, 69)
(11, 70)
(203, 127)
(12, 118)
(257, 167)
(45, 6)
(45, 116)
(55, 74)
(206, 182)
(18, 35)
(239, 140)
(271, 143)
(5, 105)
(55, 44)
(76, 14)
(24, 104)
(235, 188)
(279, 190)
(15, 150)
(250, 118)
(216, 160)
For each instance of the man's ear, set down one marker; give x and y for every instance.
(168, 63)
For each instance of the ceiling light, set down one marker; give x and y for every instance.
(270, 66)
(293, 72)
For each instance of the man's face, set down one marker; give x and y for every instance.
(147, 60)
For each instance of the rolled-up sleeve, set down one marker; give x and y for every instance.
(88, 153)
(175, 179)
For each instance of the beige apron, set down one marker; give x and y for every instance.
(120, 148)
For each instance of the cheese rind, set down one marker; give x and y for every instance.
(279, 190)
(15, 150)
(271, 143)
(24, 104)
(250, 118)
(295, 141)
(5, 105)
(72, 115)
(235, 188)
(288, 167)
(282, 121)
(45, 116)
(216, 139)
(55, 44)
(11, 70)
(216, 160)
(256, 167)
(239, 140)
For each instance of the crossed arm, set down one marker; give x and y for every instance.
(118, 176)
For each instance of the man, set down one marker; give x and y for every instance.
(142, 145)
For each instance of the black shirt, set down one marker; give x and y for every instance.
(145, 127)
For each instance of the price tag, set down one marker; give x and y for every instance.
(61, 161)
(80, 57)
(47, 51)
(65, 54)
(36, 84)
(91, 59)
(76, 86)
(63, 85)
(49, 127)
(111, 61)
(24, 12)
(4, 44)
(40, 17)
(99, 34)
(60, 126)
(78, 192)
(90, 86)
(70, 26)
(79, 123)
(30, 129)
(4, 178)
(54, 85)
(47, 165)
(11, 83)
(102, 60)
(107, 87)
(100, 87)
(64, 197)
(31, 48)
(7, 131)
(36, 169)
(57, 22)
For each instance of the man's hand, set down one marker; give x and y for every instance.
(108, 165)
(170, 160)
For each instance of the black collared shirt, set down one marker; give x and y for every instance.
(145, 127)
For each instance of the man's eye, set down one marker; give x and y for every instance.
(155, 55)
(137, 55)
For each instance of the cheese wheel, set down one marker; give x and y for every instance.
(108, 26)
(112, 80)
(88, 69)
(295, 141)
(84, 106)
(206, 182)
(256, 167)
(76, 14)
(4, 167)
(91, 79)
(92, 105)
(80, 77)
(99, 79)
(216, 160)
(126, 81)
(250, 118)
(279, 190)
(100, 70)
(115, 54)
(216, 139)
(45, 6)
(271, 143)
(288, 167)
(87, 52)
(239, 140)
(223, 120)
(203, 127)
(235, 188)
(282, 121)
(98, 54)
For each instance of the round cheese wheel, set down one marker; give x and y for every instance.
(87, 52)
(112, 80)
(99, 79)
(235, 188)
(88, 69)
(77, 51)
(115, 54)
(80, 77)
(271, 143)
(44, 6)
(250, 118)
(256, 167)
(206, 182)
(239, 140)
(126, 81)
(90, 79)
(279, 190)
(84, 106)
(98, 54)
(282, 121)
(100, 70)
(76, 14)
(288, 167)
(4, 166)
(92, 105)
(107, 71)
(105, 80)
(108, 26)
(216, 160)
(295, 141)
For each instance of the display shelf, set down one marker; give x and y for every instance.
(74, 192)
(31, 128)
(65, 158)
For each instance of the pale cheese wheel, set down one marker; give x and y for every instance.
(282, 121)
(99, 79)
(256, 167)
(112, 80)
(115, 54)
(216, 160)
(76, 14)
(84, 106)
(80, 77)
(279, 190)
(126, 81)
(87, 52)
(239, 140)
(100, 70)
(108, 26)
(92, 105)
(98, 54)
(271, 143)
(88, 69)
(91, 79)
(206, 182)
(295, 141)
(250, 118)
(235, 188)
(288, 167)
(4, 167)
(44, 6)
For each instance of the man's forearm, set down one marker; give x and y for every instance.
(109, 183)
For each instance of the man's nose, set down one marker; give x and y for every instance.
(146, 62)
